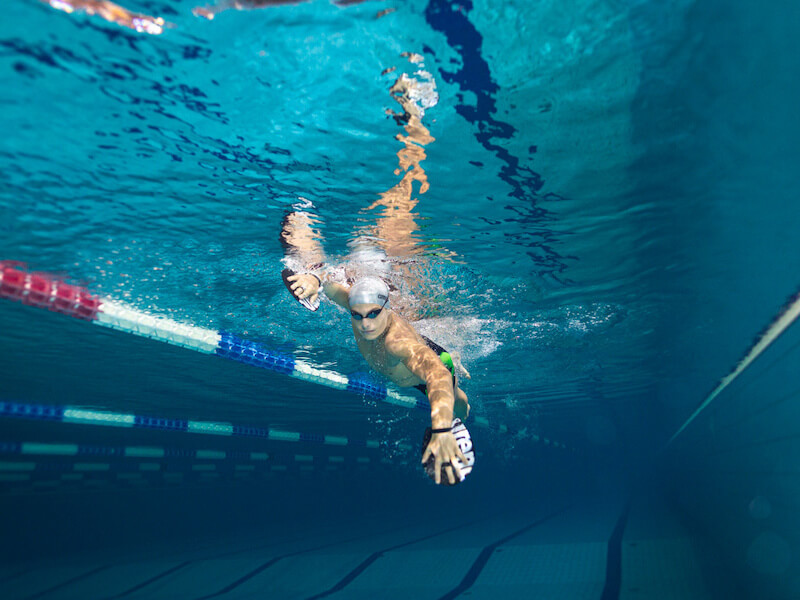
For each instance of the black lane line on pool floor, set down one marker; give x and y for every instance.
(614, 558)
(64, 584)
(348, 579)
(247, 577)
(139, 586)
(182, 566)
(272, 561)
(486, 554)
(16, 574)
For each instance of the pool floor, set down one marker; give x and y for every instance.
(554, 552)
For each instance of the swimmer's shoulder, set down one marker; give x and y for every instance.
(401, 337)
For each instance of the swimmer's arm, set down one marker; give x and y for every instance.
(310, 285)
(337, 292)
(423, 362)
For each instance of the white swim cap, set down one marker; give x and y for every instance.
(369, 290)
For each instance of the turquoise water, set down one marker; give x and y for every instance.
(610, 221)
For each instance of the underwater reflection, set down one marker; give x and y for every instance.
(209, 12)
(387, 244)
(113, 13)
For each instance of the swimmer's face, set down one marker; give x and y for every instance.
(369, 319)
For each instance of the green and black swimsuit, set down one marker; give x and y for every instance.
(446, 359)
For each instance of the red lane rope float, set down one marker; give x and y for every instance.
(45, 291)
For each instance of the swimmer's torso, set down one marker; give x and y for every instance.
(385, 363)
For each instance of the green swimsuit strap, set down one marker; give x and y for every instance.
(447, 360)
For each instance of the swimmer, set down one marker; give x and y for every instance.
(397, 351)
(388, 342)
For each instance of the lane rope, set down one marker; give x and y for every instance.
(46, 291)
(83, 416)
(49, 292)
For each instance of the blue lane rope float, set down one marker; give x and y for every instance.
(83, 416)
(42, 290)
(30, 458)
(27, 466)
(45, 465)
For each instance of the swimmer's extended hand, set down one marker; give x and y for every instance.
(445, 450)
(305, 285)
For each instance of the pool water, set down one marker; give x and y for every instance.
(592, 203)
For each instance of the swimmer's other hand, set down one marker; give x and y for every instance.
(305, 285)
(460, 366)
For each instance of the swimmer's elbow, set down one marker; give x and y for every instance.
(438, 377)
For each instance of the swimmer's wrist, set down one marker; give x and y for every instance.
(442, 430)
(437, 423)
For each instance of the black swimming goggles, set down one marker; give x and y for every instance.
(370, 315)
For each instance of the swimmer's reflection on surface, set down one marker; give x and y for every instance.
(388, 244)
(387, 340)
(396, 229)
(209, 12)
(112, 13)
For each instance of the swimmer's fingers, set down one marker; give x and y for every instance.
(294, 279)
(451, 457)
(427, 454)
(299, 290)
(437, 469)
(461, 457)
(450, 477)
(451, 466)
(307, 286)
